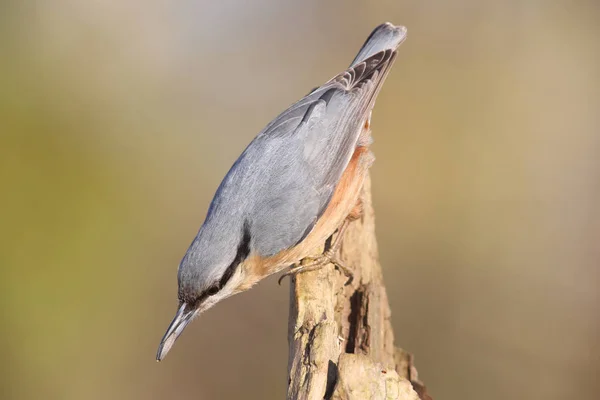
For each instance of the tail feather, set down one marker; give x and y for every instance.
(385, 36)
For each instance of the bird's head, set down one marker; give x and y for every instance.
(205, 277)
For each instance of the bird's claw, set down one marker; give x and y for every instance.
(316, 263)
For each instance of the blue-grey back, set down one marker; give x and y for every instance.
(284, 180)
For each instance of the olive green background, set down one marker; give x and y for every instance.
(118, 120)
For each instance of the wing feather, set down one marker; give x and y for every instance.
(284, 180)
(310, 145)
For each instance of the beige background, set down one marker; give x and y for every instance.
(118, 121)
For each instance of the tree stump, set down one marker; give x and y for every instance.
(341, 343)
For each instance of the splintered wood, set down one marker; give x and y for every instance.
(340, 333)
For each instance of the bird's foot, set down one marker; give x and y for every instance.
(311, 264)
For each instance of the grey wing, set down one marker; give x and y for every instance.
(298, 159)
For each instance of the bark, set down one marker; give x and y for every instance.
(340, 333)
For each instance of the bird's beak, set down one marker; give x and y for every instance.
(182, 318)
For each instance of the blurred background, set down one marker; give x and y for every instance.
(119, 119)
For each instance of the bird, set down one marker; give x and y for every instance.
(294, 186)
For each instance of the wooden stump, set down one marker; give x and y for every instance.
(341, 343)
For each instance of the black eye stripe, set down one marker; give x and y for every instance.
(242, 252)
(212, 290)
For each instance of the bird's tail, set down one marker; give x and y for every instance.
(385, 36)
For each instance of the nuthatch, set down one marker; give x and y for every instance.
(290, 190)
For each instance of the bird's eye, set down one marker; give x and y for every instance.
(212, 290)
